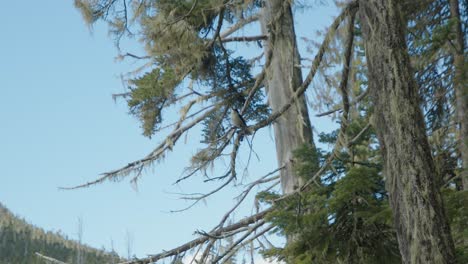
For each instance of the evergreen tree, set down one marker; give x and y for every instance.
(334, 207)
(422, 228)
(19, 242)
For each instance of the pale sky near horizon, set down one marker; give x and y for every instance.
(60, 127)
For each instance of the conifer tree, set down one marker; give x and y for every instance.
(339, 193)
(422, 228)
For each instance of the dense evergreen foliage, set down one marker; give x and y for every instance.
(345, 217)
(19, 241)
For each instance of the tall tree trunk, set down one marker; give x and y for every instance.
(421, 224)
(461, 87)
(293, 129)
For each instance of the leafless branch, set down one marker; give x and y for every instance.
(203, 239)
(239, 25)
(238, 241)
(235, 249)
(244, 194)
(245, 39)
(349, 9)
(339, 108)
(225, 142)
(231, 173)
(134, 56)
(49, 259)
(156, 154)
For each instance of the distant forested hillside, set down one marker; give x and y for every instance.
(20, 240)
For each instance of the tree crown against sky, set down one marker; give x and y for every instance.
(187, 41)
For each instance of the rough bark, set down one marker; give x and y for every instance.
(421, 224)
(293, 128)
(461, 87)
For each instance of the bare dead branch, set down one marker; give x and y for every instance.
(235, 249)
(49, 259)
(156, 154)
(203, 239)
(349, 9)
(239, 25)
(187, 117)
(245, 39)
(339, 108)
(134, 56)
(231, 172)
(343, 88)
(244, 194)
(201, 197)
(225, 142)
(242, 238)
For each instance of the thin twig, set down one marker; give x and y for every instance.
(245, 39)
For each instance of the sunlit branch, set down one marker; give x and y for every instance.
(203, 239)
(49, 259)
(232, 250)
(237, 242)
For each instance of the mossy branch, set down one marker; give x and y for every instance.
(348, 10)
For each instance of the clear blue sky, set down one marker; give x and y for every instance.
(60, 127)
